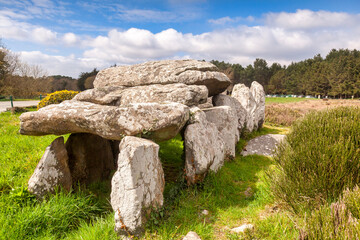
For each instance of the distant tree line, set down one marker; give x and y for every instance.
(22, 80)
(336, 75)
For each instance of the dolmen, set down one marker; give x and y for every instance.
(115, 127)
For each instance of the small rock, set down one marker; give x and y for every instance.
(205, 212)
(192, 236)
(248, 192)
(242, 228)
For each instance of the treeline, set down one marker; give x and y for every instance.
(22, 80)
(336, 75)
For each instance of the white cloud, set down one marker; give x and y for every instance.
(146, 15)
(229, 20)
(62, 65)
(70, 39)
(307, 19)
(283, 38)
(43, 35)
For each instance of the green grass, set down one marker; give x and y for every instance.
(235, 195)
(270, 100)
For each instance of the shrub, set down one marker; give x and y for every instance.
(319, 160)
(282, 115)
(335, 221)
(56, 97)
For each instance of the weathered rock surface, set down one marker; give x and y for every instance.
(137, 185)
(242, 228)
(190, 72)
(258, 93)
(191, 236)
(244, 96)
(189, 95)
(207, 104)
(52, 170)
(150, 120)
(225, 100)
(226, 122)
(263, 145)
(204, 148)
(90, 158)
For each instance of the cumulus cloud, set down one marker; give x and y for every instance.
(283, 37)
(62, 65)
(229, 20)
(70, 38)
(307, 19)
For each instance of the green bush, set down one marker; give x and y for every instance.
(338, 220)
(319, 160)
(56, 97)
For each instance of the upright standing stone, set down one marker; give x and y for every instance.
(226, 122)
(258, 93)
(52, 170)
(225, 100)
(244, 96)
(90, 158)
(204, 148)
(137, 185)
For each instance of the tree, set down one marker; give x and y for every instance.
(82, 79)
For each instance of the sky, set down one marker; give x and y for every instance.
(68, 37)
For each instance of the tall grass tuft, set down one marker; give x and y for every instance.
(319, 159)
(54, 217)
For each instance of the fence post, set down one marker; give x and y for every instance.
(11, 100)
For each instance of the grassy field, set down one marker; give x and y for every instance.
(235, 195)
(270, 100)
(285, 111)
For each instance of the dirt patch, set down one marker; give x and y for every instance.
(286, 113)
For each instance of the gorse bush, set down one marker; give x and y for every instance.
(56, 97)
(319, 159)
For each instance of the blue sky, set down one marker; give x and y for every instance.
(68, 37)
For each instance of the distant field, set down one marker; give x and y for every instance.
(270, 100)
(284, 111)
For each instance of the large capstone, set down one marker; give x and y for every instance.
(90, 158)
(189, 95)
(204, 148)
(226, 122)
(52, 170)
(190, 72)
(137, 185)
(150, 120)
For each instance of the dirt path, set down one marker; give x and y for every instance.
(5, 105)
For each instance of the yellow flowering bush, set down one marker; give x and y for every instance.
(56, 97)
